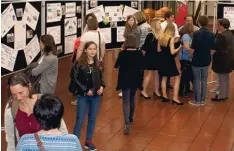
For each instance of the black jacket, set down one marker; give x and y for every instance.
(223, 57)
(79, 76)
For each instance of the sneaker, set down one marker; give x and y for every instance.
(74, 102)
(120, 94)
(126, 130)
(213, 90)
(203, 103)
(194, 103)
(89, 145)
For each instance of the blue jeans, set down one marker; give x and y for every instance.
(200, 76)
(128, 98)
(84, 103)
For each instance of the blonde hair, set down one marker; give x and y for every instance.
(168, 33)
(140, 16)
(153, 25)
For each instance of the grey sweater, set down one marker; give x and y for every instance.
(49, 72)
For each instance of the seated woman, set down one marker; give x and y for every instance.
(48, 111)
(19, 117)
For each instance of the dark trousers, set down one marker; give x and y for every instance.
(84, 104)
(128, 98)
(186, 76)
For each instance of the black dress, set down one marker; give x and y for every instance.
(130, 69)
(168, 65)
(151, 58)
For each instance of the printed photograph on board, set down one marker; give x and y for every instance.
(19, 12)
(10, 38)
(29, 34)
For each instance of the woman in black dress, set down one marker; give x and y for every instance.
(151, 59)
(168, 65)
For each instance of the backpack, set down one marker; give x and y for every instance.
(14, 105)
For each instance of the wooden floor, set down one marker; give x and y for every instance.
(157, 126)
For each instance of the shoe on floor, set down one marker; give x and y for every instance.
(126, 130)
(194, 103)
(89, 145)
(74, 102)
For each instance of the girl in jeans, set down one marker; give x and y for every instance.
(87, 75)
(129, 78)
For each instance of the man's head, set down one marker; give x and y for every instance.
(169, 17)
(188, 19)
(203, 21)
(223, 24)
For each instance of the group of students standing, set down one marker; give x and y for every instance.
(147, 48)
(153, 49)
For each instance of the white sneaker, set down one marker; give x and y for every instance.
(74, 102)
(213, 90)
(120, 94)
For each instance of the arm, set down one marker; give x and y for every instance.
(74, 77)
(103, 48)
(63, 127)
(177, 35)
(102, 80)
(80, 50)
(172, 47)
(9, 129)
(46, 63)
(187, 47)
(117, 63)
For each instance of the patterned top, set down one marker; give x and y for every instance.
(62, 142)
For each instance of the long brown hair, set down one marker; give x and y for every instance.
(129, 29)
(187, 29)
(83, 60)
(168, 33)
(49, 44)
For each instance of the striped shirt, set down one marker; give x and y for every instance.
(62, 142)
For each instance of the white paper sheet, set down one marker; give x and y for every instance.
(54, 12)
(107, 33)
(31, 16)
(114, 13)
(20, 35)
(55, 32)
(129, 11)
(8, 57)
(228, 12)
(8, 20)
(69, 44)
(32, 49)
(98, 12)
(70, 26)
(70, 9)
(120, 32)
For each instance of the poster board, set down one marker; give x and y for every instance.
(65, 27)
(114, 42)
(226, 10)
(8, 40)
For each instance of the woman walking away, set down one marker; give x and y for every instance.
(129, 78)
(151, 59)
(87, 75)
(168, 65)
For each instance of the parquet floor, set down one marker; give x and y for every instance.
(157, 126)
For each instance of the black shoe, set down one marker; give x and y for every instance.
(183, 94)
(156, 96)
(145, 97)
(217, 99)
(177, 103)
(165, 99)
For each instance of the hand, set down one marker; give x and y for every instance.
(143, 52)
(100, 91)
(90, 93)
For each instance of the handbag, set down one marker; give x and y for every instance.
(101, 63)
(39, 143)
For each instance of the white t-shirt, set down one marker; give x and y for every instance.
(164, 25)
(93, 36)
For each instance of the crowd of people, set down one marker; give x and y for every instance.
(159, 50)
